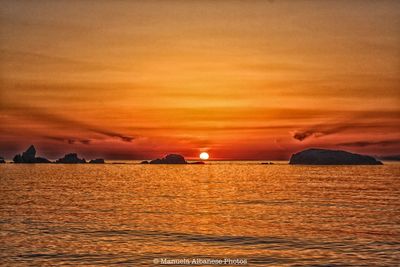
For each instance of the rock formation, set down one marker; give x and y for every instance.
(315, 156)
(2, 160)
(71, 158)
(169, 159)
(97, 161)
(29, 156)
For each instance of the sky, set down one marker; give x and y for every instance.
(246, 80)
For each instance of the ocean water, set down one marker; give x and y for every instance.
(143, 215)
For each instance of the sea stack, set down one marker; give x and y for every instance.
(317, 156)
(29, 156)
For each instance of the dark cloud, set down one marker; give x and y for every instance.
(68, 140)
(85, 141)
(320, 130)
(124, 138)
(302, 135)
(360, 121)
(44, 115)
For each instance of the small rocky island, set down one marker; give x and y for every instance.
(170, 159)
(29, 156)
(70, 158)
(97, 161)
(316, 156)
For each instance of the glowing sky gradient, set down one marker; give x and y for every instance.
(238, 79)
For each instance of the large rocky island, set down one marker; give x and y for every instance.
(316, 156)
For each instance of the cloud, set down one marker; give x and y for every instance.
(124, 138)
(302, 135)
(68, 140)
(320, 130)
(30, 60)
(85, 141)
(375, 121)
(47, 116)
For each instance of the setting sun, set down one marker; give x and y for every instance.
(204, 155)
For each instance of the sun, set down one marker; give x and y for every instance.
(204, 156)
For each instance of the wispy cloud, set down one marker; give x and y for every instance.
(47, 116)
(30, 61)
(362, 120)
(69, 140)
(321, 130)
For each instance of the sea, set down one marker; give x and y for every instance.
(217, 214)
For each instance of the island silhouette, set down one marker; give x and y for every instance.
(171, 159)
(317, 156)
(29, 156)
(311, 156)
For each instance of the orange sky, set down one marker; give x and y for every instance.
(239, 79)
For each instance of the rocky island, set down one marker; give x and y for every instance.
(71, 158)
(29, 156)
(170, 159)
(97, 161)
(317, 156)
